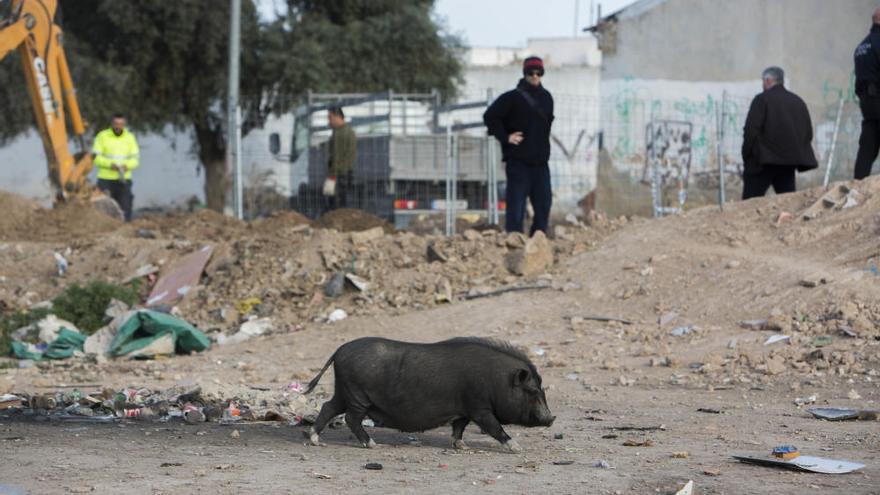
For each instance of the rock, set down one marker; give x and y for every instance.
(435, 254)
(783, 217)
(732, 264)
(853, 395)
(366, 236)
(444, 291)
(571, 219)
(535, 257)
(472, 235)
(814, 281)
(560, 232)
(775, 365)
(515, 240)
(235, 434)
(335, 286)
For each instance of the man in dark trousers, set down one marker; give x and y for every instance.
(867, 62)
(776, 138)
(520, 119)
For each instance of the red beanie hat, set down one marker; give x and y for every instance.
(533, 63)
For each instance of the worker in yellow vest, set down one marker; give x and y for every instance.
(116, 154)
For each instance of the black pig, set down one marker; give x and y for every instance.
(416, 387)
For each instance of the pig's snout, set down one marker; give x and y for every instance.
(548, 421)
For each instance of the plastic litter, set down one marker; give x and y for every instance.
(337, 315)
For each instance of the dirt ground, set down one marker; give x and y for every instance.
(700, 274)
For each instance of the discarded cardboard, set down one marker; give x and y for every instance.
(687, 489)
(805, 463)
(180, 278)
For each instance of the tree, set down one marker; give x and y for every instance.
(165, 63)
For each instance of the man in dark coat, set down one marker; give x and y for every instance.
(520, 119)
(776, 138)
(867, 62)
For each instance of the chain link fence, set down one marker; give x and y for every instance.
(425, 164)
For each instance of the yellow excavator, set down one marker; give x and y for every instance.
(29, 27)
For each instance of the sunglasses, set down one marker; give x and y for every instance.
(535, 72)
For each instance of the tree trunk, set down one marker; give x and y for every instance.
(216, 181)
(212, 154)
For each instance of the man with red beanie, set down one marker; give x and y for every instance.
(520, 119)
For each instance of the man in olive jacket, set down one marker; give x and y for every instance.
(342, 149)
(776, 139)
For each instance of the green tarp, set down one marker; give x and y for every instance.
(62, 347)
(146, 326)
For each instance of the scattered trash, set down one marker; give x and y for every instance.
(805, 463)
(777, 338)
(475, 294)
(563, 463)
(558, 436)
(192, 414)
(248, 329)
(146, 327)
(785, 452)
(821, 341)
(680, 455)
(639, 443)
(295, 387)
(805, 401)
(369, 423)
(838, 198)
(638, 428)
(337, 315)
(180, 278)
(839, 414)
(687, 489)
(235, 434)
(246, 306)
(753, 324)
(373, 466)
(709, 410)
(602, 464)
(814, 281)
(603, 318)
(60, 263)
(853, 395)
(171, 464)
(571, 376)
(682, 331)
(539, 351)
(712, 472)
(321, 476)
(64, 346)
(359, 283)
(8, 401)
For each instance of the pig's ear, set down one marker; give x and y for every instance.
(520, 376)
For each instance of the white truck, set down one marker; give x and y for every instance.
(404, 166)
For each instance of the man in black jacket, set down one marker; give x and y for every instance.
(776, 138)
(520, 119)
(867, 62)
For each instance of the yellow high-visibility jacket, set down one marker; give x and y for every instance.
(110, 148)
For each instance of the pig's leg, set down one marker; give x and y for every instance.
(458, 427)
(332, 408)
(354, 419)
(490, 424)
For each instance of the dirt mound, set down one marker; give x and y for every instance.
(25, 220)
(351, 220)
(202, 224)
(280, 221)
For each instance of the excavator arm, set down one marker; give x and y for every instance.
(29, 27)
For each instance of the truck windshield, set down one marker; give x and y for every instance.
(300, 136)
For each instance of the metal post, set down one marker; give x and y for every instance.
(233, 145)
(448, 177)
(390, 112)
(492, 171)
(833, 142)
(454, 193)
(719, 152)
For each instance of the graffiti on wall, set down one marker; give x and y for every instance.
(668, 151)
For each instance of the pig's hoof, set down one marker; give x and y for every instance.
(512, 446)
(371, 444)
(460, 445)
(314, 440)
